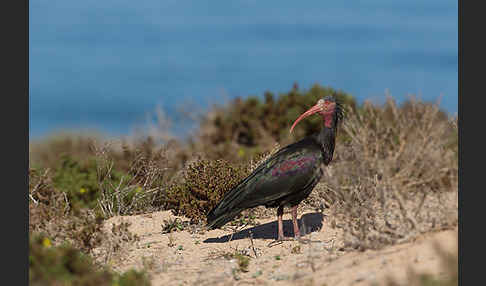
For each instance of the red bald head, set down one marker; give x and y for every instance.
(326, 107)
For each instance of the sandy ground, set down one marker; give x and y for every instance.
(182, 258)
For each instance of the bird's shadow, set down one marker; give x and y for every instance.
(308, 223)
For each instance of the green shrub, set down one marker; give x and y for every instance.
(51, 212)
(66, 265)
(132, 278)
(97, 183)
(252, 125)
(204, 183)
(89, 181)
(78, 180)
(82, 181)
(140, 190)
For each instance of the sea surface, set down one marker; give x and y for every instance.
(108, 65)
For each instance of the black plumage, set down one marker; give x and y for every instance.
(288, 176)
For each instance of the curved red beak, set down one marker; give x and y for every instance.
(314, 109)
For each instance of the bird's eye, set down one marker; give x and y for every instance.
(320, 101)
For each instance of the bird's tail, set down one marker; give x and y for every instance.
(232, 203)
(217, 220)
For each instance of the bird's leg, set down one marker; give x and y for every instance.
(295, 222)
(280, 222)
(280, 225)
(281, 236)
(297, 234)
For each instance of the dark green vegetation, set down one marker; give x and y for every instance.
(66, 265)
(394, 170)
(204, 183)
(252, 126)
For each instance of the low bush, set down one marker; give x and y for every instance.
(247, 127)
(66, 265)
(203, 184)
(79, 179)
(139, 190)
(61, 215)
(397, 176)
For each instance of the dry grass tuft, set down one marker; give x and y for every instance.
(396, 177)
(50, 213)
(53, 214)
(140, 190)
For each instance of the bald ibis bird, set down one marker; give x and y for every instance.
(287, 177)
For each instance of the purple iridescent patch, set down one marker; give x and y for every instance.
(293, 166)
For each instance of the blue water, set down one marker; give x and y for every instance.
(106, 65)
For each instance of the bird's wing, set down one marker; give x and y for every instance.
(289, 170)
